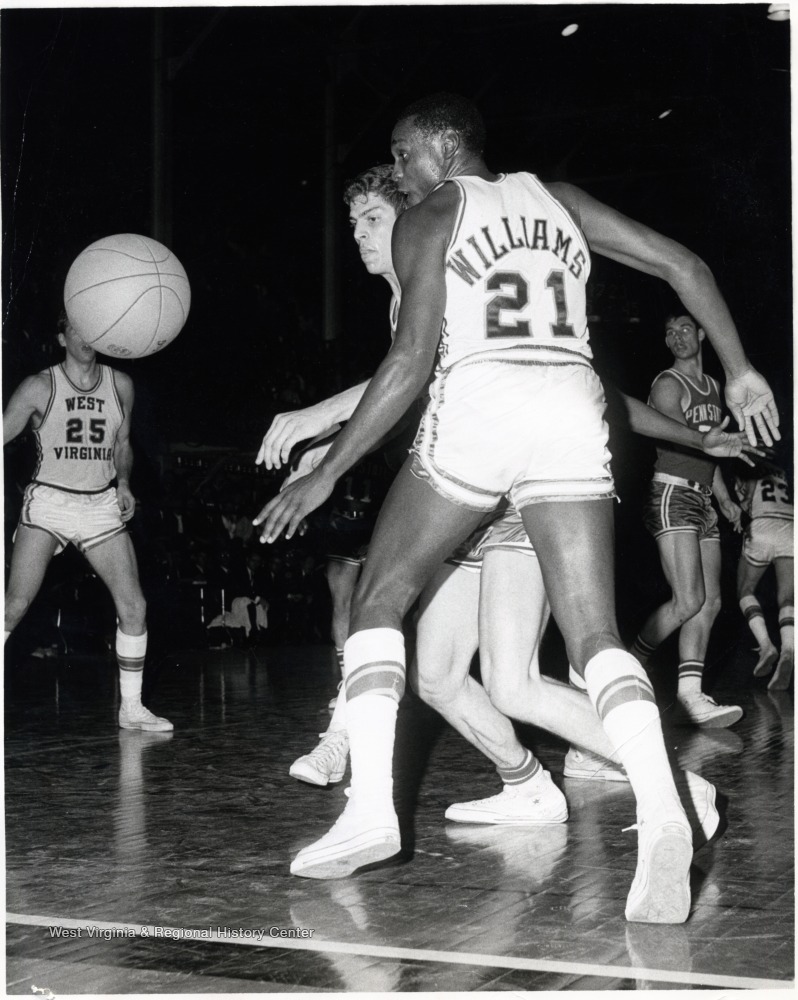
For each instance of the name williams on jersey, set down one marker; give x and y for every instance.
(493, 242)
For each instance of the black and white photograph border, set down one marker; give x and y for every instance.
(160, 779)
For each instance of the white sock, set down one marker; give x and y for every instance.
(752, 612)
(374, 664)
(338, 720)
(624, 699)
(130, 653)
(691, 673)
(787, 626)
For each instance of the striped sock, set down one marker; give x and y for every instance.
(529, 768)
(752, 612)
(131, 651)
(339, 659)
(787, 626)
(624, 699)
(642, 650)
(690, 674)
(374, 681)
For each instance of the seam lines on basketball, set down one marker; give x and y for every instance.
(159, 288)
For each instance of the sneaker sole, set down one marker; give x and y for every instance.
(461, 815)
(780, 681)
(596, 774)
(665, 898)
(311, 777)
(148, 727)
(707, 826)
(341, 861)
(763, 669)
(722, 720)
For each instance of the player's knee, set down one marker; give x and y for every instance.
(16, 607)
(436, 691)
(503, 695)
(688, 603)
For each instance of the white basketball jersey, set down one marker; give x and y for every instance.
(771, 497)
(75, 440)
(516, 270)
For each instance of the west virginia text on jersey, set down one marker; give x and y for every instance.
(75, 440)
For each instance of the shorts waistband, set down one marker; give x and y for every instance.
(688, 484)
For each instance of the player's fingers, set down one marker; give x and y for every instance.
(762, 428)
(725, 424)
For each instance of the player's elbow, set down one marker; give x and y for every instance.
(688, 272)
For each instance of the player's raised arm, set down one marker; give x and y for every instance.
(29, 398)
(289, 429)
(615, 235)
(717, 442)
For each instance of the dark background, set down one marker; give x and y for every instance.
(228, 133)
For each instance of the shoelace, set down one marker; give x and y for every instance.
(330, 747)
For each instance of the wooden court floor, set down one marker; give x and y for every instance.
(141, 863)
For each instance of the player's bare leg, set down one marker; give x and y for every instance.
(575, 545)
(114, 562)
(446, 641)
(748, 577)
(785, 583)
(31, 555)
(416, 530)
(692, 585)
(514, 611)
(680, 555)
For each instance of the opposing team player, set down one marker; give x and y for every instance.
(680, 516)
(768, 541)
(493, 270)
(80, 414)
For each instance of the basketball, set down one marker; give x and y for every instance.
(127, 295)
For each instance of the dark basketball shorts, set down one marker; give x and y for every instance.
(346, 539)
(680, 505)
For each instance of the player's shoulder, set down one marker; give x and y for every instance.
(568, 195)
(122, 381)
(39, 384)
(433, 215)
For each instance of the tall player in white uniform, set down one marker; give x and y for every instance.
(493, 268)
(80, 414)
(680, 516)
(767, 499)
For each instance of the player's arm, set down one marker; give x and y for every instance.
(30, 398)
(419, 241)
(288, 429)
(620, 238)
(123, 450)
(717, 442)
(728, 507)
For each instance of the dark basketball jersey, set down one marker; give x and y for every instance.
(701, 405)
(75, 440)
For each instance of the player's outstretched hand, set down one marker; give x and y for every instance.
(126, 501)
(750, 399)
(288, 429)
(720, 443)
(291, 506)
(733, 515)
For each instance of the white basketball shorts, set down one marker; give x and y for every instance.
(529, 430)
(84, 519)
(766, 539)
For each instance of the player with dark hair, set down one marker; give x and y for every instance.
(80, 414)
(767, 500)
(680, 516)
(493, 270)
